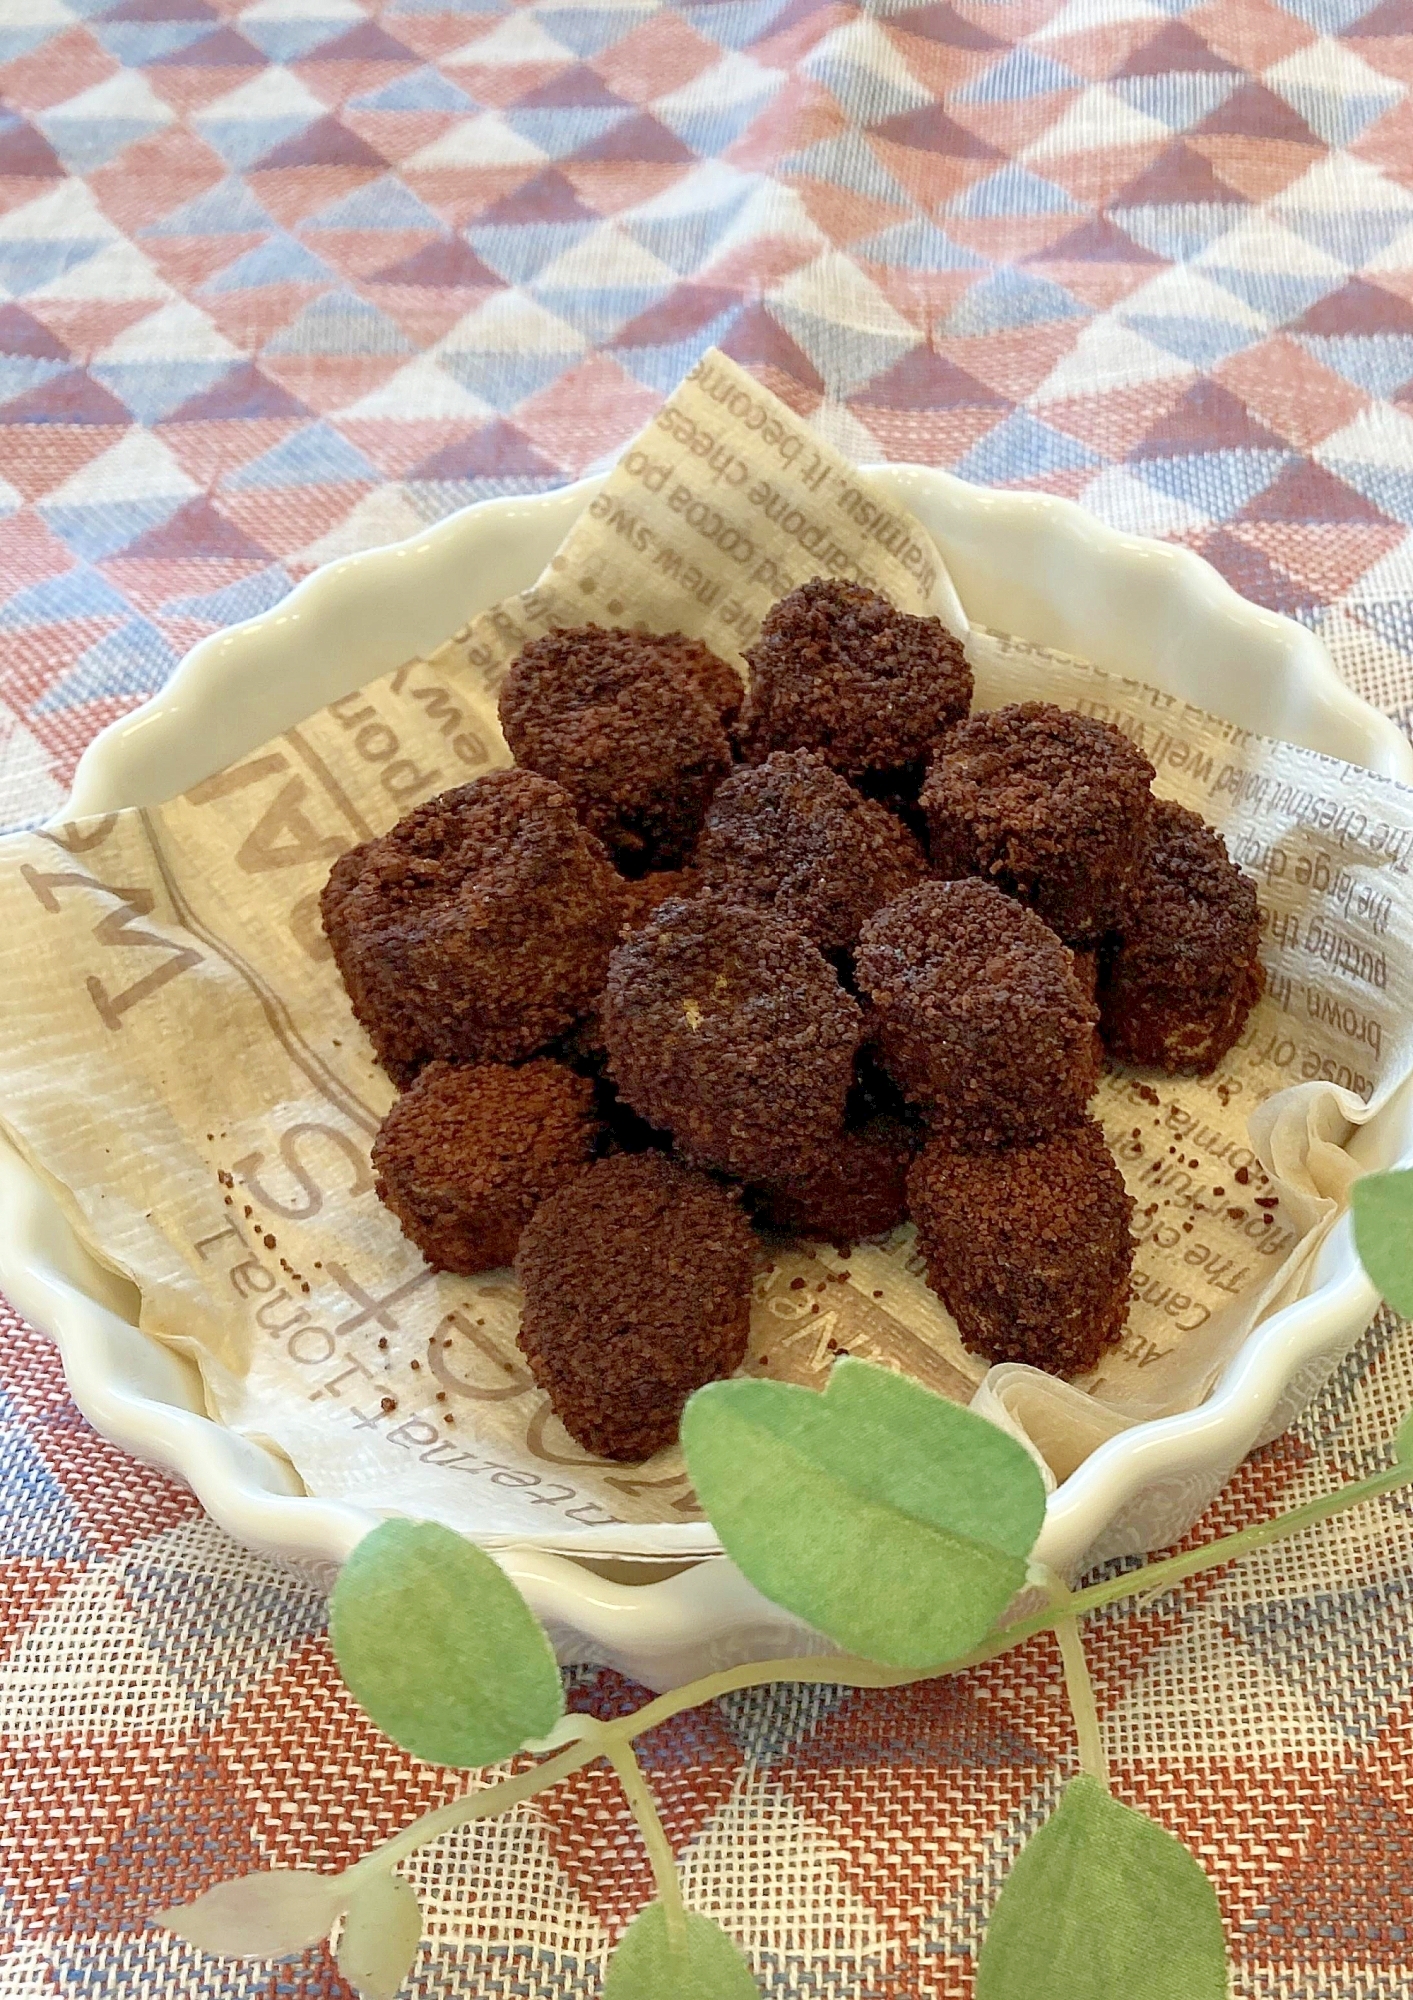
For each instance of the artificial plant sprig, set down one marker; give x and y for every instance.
(898, 1525)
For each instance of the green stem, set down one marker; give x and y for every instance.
(664, 1861)
(847, 1670)
(1078, 1685)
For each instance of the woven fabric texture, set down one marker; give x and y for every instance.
(283, 280)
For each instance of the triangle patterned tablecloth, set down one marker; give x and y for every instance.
(283, 280)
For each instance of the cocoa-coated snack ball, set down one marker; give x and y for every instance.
(637, 1285)
(1029, 1249)
(838, 670)
(466, 1155)
(1049, 805)
(626, 727)
(476, 930)
(728, 1029)
(977, 1013)
(1178, 988)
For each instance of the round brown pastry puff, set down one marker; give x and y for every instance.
(838, 670)
(1177, 990)
(643, 895)
(727, 1028)
(1049, 805)
(1029, 1249)
(858, 1187)
(466, 1155)
(792, 836)
(478, 928)
(978, 1014)
(637, 1283)
(626, 728)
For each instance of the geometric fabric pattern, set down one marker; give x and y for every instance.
(287, 279)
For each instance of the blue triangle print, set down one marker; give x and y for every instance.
(598, 315)
(504, 380)
(662, 368)
(1025, 72)
(588, 31)
(80, 592)
(684, 242)
(1203, 342)
(315, 456)
(244, 599)
(279, 260)
(560, 130)
(242, 141)
(1011, 298)
(1388, 486)
(1352, 235)
(1180, 231)
(1023, 448)
(1338, 117)
(153, 389)
(866, 97)
(848, 161)
(918, 245)
(711, 129)
(518, 252)
(228, 209)
(85, 143)
(1013, 190)
(421, 90)
(382, 204)
(135, 660)
(1218, 483)
(138, 43)
(1280, 295)
(1378, 362)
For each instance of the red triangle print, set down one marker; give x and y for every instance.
(28, 155)
(1175, 47)
(1098, 241)
(1358, 307)
(928, 129)
(447, 264)
(1177, 176)
(1305, 492)
(196, 530)
(757, 341)
(325, 143)
(223, 48)
(1250, 572)
(1209, 418)
(1255, 112)
(547, 198)
(365, 43)
(941, 23)
(579, 88)
(643, 138)
(74, 398)
(245, 392)
(923, 380)
(682, 312)
(160, 10)
(497, 452)
(21, 333)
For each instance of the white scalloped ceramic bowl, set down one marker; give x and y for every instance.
(1024, 563)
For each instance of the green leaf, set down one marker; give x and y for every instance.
(894, 1521)
(259, 1916)
(380, 1937)
(438, 1646)
(1383, 1233)
(1103, 1905)
(645, 1967)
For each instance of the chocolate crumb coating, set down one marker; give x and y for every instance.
(625, 726)
(716, 678)
(1049, 805)
(643, 896)
(467, 1154)
(727, 1028)
(637, 1284)
(1176, 992)
(1029, 1249)
(478, 928)
(1086, 969)
(977, 1014)
(838, 670)
(856, 1189)
(792, 836)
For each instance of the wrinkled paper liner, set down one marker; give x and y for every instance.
(179, 1061)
